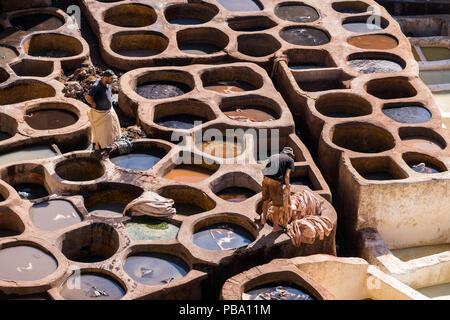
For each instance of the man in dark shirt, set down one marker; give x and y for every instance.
(105, 126)
(276, 173)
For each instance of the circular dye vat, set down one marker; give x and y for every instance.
(375, 42)
(296, 13)
(162, 89)
(108, 210)
(30, 191)
(222, 149)
(54, 215)
(25, 263)
(378, 175)
(187, 209)
(7, 54)
(422, 143)
(305, 36)
(181, 121)
(4, 136)
(278, 291)
(138, 53)
(250, 113)
(91, 286)
(37, 22)
(50, 119)
(236, 194)
(188, 173)
(153, 269)
(408, 114)
(147, 228)
(198, 48)
(140, 161)
(362, 27)
(240, 5)
(186, 21)
(375, 65)
(222, 236)
(423, 168)
(228, 87)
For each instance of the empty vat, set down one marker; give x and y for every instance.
(80, 169)
(362, 138)
(190, 13)
(139, 44)
(110, 203)
(201, 41)
(421, 143)
(24, 90)
(7, 54)
(52, 45)
(442, 99)
(153, 269)
(10, 223)
(408, 254)
(188, 201)
(343, 105)
(438, 292)
(53, 215)
(251, 24)
(37, 22)
(25, 263)
(257, 45)
(391, 88)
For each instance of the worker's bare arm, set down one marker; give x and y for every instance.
(90, 100)
(287, 179)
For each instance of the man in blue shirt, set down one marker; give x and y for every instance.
(105, 126)
(276, 173)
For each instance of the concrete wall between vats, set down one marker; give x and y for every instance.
(354, 279)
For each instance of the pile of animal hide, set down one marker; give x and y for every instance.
(303, 217)
(151, 204)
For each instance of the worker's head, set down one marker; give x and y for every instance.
(289, 152)
(108, 76)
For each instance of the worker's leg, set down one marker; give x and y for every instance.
(275, 218)
(265, 199)
(265, 209)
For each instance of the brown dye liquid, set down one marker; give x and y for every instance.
(228, 87)
(422, 143)
(236, 194)
(380, 175)
(138, 53)
(250, 114)
(222, 149)
(7, 233)
(4, 136)
(296, 13)
(54, 215)
(25, 263)
(37, 22)
(325, 85)
(162, 89)
(188, 174)
(198, 48)
(50, 119)
(187, 209)
(6, 54)
(52, 53)
(378, 42)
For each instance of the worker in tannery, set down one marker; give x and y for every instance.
(276, 181)
(105, 126)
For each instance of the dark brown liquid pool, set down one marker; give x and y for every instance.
(250, 113)
(162, 89)
(296, 13)
(37, 22)
(50, 119)
(236, 194)
(228, 87)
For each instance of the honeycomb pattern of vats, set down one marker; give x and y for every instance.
(206, 103)
(109, 239)
(30, 83)
(375, 185)
(255, 35)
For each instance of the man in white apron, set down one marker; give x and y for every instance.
(105, 126)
